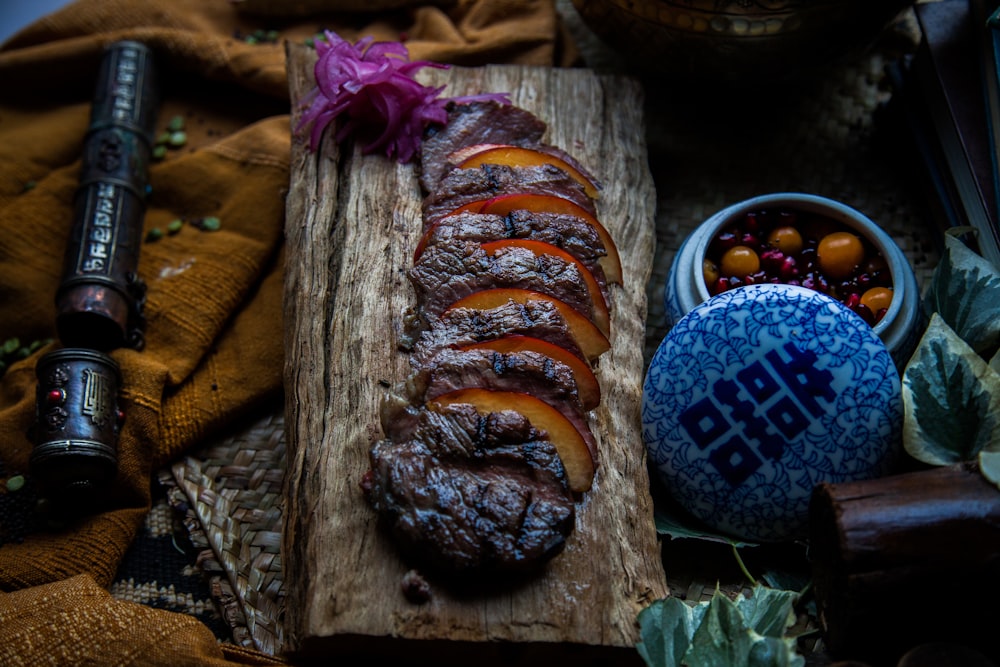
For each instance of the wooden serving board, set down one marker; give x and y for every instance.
(352, 224)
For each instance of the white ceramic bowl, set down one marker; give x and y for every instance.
(899, 328)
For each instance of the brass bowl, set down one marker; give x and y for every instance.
(736, 41)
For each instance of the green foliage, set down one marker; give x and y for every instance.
(965, 292)
(951, 394)
(745, 632)
(951, 398)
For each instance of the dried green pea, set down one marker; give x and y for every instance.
(176, 124)
(11, 345)
(178, 139)
(15, 483)
(211, 224)
(164, 138)
(154, 234)
(159, 152)
(175, 226)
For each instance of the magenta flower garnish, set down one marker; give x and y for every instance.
(369, 89)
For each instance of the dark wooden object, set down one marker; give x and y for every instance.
(352, 224)
(905, 560)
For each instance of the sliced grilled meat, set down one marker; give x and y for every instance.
(525, 372)
(568, 232)
(462, 186)
(523, 155)
(470, 124)
(466, 492)
(463, 326)
(448, 272)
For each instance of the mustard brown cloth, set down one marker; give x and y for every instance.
(214, 340)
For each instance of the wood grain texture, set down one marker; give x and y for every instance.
(352, 224)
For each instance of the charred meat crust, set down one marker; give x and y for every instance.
(470, 124)
(463, 186)
(464, 491)
(464, 326)
(525, 372)
(446, 273)
(570, 233)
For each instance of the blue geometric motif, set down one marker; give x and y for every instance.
(760, 393)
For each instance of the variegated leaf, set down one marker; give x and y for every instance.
(965, 291)
(951, 399)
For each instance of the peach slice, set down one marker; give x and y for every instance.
(477, 155)
(587, 386)
(601, 316)
(504, 204)
(569, 443)
(591, 341)
(462, 153)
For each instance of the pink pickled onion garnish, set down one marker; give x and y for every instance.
(369, 88)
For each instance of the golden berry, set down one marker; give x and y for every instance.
(786, 239)
(839, 254)
(877, 298)
(739, 261)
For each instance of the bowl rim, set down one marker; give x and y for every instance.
(811, 203)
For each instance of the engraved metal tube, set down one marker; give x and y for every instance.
(100, 300)
(77, 421)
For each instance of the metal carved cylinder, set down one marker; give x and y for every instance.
(100, 299)
(77, 422)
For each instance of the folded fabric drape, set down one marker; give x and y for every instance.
(214, 339)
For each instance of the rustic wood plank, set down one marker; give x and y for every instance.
(352, 224)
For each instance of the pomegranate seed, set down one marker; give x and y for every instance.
(789, 269)
(771, 259)
(865, 312)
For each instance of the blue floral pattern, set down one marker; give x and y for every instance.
(760, 393)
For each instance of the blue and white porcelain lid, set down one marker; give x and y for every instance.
(760, 393)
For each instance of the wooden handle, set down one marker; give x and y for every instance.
(897, 561)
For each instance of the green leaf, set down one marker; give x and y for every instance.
(769, 612)
(674, 521)
(745, 632)
(951, 399)
(723, 637)
(665, 630)
(965, 292)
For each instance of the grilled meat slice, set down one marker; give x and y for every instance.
(525, 372)
(462, 326)
(462, 186)
(466, 492)
(568, 232)
(470, 124)
(447, 272)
